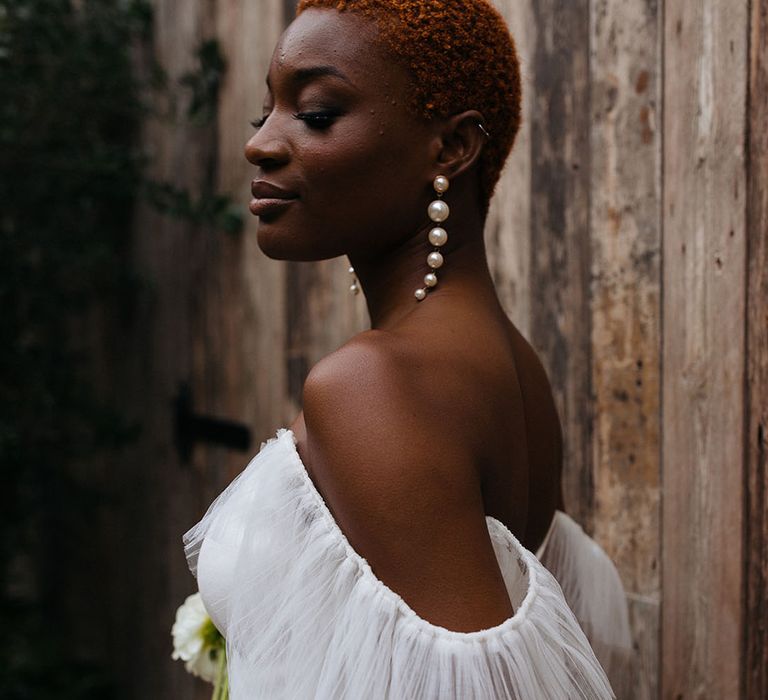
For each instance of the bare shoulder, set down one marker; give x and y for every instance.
(357, 386)
(363, 406)
(406, 498)
(362, 422)
(369, 358)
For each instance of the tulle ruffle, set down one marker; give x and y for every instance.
(304, 615)
(594, 592)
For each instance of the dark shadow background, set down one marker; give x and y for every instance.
(77, 79)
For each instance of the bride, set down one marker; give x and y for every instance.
(381, 547)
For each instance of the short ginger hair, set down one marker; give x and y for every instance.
(460, 56)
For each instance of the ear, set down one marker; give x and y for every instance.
(463, 137)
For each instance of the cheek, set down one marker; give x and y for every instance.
(349, 166)
(363, 190)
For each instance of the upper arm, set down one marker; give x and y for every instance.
(406, 497)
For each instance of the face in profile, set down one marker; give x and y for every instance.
(342, 165)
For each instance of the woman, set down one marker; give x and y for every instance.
(374, 548)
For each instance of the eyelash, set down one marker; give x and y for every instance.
(314, 120)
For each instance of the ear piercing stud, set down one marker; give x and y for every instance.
(484, 130)
(438, 212)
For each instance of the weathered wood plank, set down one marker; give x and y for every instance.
(560, 322)
(169, 254)
(289, 11)
(176, 328)
(625, 70)
(703, 347)
(508, 227)
(248, 32)
(223, 313)
(755, 661)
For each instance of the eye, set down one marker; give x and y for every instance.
(317, 120)
(258, 123)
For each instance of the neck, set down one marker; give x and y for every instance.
(390, 280)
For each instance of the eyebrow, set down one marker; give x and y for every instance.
(306, 75)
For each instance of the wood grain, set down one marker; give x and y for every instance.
(248, 33)
(508, 227)
(755, 661)
(625, 236)
(560, 315)
(703, 347)
(169, 255)
(220, 306)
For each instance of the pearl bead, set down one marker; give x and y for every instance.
(438, 236)
(354, 289)
(351, 270)
(441, 184)
(420, 293)
(438, 210)
(430, 279)
(435, 260)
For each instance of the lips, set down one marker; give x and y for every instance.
(269, 198)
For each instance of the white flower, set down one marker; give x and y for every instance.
(189, 642)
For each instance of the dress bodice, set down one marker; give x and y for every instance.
(305, 616)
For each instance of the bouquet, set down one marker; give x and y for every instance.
(198, 643)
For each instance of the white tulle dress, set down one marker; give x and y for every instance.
(304, 615)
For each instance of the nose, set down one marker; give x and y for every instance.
(267, 149)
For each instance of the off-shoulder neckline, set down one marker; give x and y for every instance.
(287, 438)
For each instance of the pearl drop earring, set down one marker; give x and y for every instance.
(438, 212)
(354, 287)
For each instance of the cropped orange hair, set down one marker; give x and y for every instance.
(460, 56)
